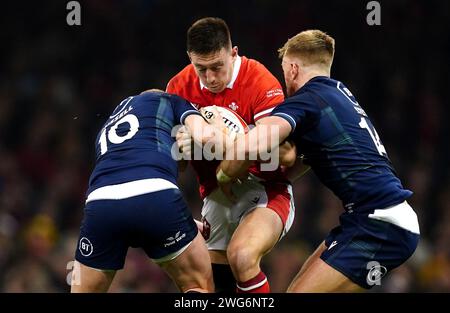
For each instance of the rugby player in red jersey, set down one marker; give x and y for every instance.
(240, 233)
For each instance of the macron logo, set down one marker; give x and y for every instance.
(332, 244)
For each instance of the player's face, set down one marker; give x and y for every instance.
(290, 71)
(215, 70)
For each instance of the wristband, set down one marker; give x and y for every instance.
(222, 177)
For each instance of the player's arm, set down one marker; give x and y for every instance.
(260, 142)
(266, 95)
(292, 165)
(287, 153)
(213, 133)
(296, 114)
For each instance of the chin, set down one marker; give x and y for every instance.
(216, 90)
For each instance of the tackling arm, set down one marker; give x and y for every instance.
(201, 132)
(262, 139)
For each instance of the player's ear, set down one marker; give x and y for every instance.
(294, 70)
(189, 56)
(234, 51)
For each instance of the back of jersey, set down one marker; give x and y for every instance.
(135, 143)
(345, 151)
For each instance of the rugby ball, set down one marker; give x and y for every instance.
(232, 120)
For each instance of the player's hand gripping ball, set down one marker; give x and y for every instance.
(230, 119)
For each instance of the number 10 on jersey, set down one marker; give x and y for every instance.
(113, 137)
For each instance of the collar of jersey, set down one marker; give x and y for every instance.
(237, 67)
(310, 81)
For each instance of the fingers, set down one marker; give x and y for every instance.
(288, 154)
(204, 228)
(199, 225)
(212, 116)
(184, 141)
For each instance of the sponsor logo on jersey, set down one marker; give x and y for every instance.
(274, 92)
(172, 240)
(85, 246)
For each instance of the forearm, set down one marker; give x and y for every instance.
(216, 137)
(235, 168)
(260, 144)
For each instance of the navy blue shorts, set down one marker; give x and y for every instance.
(159, 222)
(365, 249)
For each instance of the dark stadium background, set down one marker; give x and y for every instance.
(58, 84)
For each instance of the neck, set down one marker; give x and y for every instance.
(233, 64)
(308, 75)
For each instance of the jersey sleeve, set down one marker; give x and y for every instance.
(178, 84)
(300, 111)
(171, 86)
(268, 94)
(182, 108)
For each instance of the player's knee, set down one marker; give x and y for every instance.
(195, 280)
(200, 285)
(242, 257)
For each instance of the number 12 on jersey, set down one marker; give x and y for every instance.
(373, 133)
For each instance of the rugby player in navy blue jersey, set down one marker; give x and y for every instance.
(133, 198)
(378, 230)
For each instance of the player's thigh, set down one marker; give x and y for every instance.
(102, 240)
(218, 223)
(280, 199)
(87, 279)
(191, 269)
(164, 225)
(359, 252)
(258, 231)
(270, 217)
(310, 260)
(318, 276)
(222, 217)
(168, 234)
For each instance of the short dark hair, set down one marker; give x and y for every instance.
(208, 35)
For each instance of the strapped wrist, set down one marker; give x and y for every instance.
(222, 177)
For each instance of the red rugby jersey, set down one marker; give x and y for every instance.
(252, 93)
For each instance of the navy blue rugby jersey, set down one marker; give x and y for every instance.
(339, 142)
(135, 142)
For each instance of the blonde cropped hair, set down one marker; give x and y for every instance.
(313, 47)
